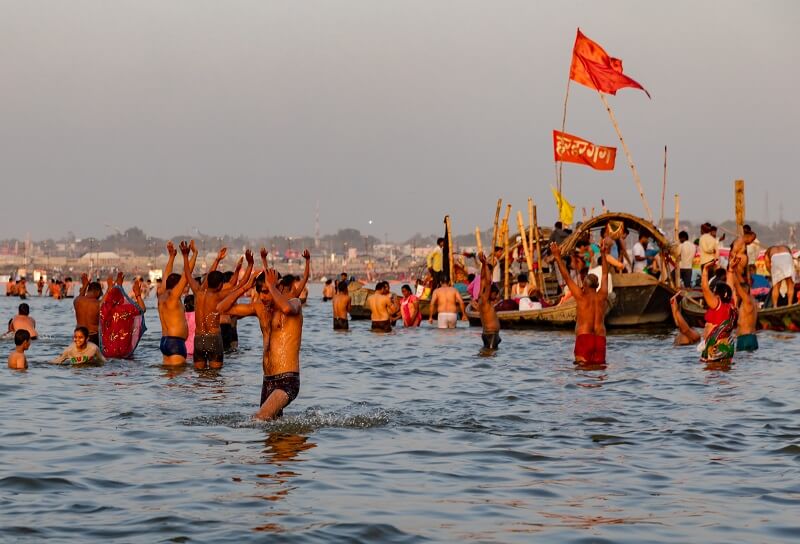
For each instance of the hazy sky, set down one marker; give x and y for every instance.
(238, 116)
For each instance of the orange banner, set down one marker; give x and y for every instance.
(569, 148)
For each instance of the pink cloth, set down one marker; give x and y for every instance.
(406, 311)
(190, 338)
(474, 287)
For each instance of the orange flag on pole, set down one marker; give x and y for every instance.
(570, 148)
(593, 67)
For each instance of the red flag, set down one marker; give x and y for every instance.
(569, 148)
(591, 66)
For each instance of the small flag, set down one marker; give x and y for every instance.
(569, 148)
(565, 209)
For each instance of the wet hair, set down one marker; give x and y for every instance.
(328, 282)
(21, 336)
(470, 277)
(188, 303)
(342, 287)
(94, 287)
(83, 330)
(591, 281)
(723, 291)
(287, 280)
(173, 279)
(227, 276)
(406, 287)
(439, 241)
(720, 274)
(24, 309)
(683, 236)
(260, 281)
(522, 278)
(215, 279)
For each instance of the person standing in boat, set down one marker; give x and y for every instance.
(640, 253)
(709, 246)
(435, 262)
(590, 328)
(781, 266)
(686, 259)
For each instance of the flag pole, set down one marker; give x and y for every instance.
(628, 155)
(663, 190)
(675, 229)
(494, 230)
(560, 164)
(538, 252)
(451, 267)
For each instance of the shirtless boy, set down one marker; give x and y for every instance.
(281, 322)
(486, 300)
(22, 341)
(174, 328)
(341, 307)
(23, 321)
(447, 301)
(590, 328)
(382, 307)
(87, 307)
(208, 351)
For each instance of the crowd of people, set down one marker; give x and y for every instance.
(198, 314)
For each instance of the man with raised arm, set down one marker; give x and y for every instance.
(487, 298)
(746, 339)
(280, 317)
(87, 308)
(174, 329)
(208, 350)
(590, 327)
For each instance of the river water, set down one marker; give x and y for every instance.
(405, 437)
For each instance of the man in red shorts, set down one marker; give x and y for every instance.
(590, 328)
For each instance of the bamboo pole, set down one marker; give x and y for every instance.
(526, 247)
(505, 257)
(675, 229)
(478, 243)
(450, 248)
(507, 214)
(536, 235)
(738, 192)
(496, 218)
(628, 156)
(663, 190)
(530, 223)
(560, 165)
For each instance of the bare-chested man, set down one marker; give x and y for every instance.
(23, 322)
(174, 329)
(447, 301)
(40, 285)
(341, 307)
(590, 328)
(489, 294)
(328, 291)
(382, 307)
(281, 321)
(781, 266)
(737, 260)
(746, 339)
(87, 308)
(208, 351)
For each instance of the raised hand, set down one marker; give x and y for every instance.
(109, 281)
(120, 278)
(271, 277)
(192, 247)
(555, 250)
(482, 258)
(222, 254)
(171, 249)
(137, 288)
(84, 279)
(185, 247)
(248, 255)
(306, 254)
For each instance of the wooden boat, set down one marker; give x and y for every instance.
(552, 317)
(358, 303)
(784, 318)
(640, 299)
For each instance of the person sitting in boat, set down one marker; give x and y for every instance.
(522, 288)
(721, 320)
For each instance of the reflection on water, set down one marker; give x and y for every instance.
(403, 437)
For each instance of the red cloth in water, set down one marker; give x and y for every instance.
(121, 324)
(719, 314)
(591, 348)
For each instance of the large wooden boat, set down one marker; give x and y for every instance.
(553, 317)
(639, 299)
(784, 318)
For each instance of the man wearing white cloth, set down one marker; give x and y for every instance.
(781, 266)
